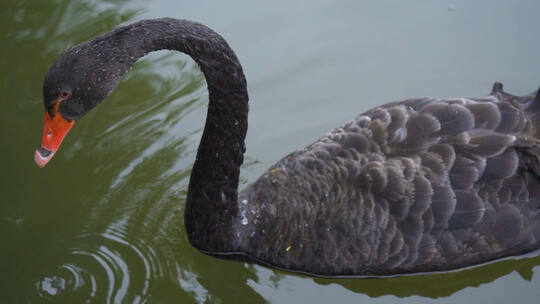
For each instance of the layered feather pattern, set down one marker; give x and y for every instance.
(412, 186)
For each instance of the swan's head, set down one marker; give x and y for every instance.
(79, 80)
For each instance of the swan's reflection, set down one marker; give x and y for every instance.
(440, 284)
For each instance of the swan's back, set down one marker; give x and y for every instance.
(412, 186)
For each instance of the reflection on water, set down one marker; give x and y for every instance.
(440, 284)
(103, 223)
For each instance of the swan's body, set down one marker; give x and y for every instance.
(412, 186)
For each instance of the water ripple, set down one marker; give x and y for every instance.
(120, 269)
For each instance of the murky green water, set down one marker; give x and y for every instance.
(103, 222)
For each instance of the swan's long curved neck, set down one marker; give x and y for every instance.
(212, 195)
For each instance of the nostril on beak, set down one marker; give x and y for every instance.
(43, 152)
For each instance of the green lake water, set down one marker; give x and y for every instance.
(103, 222)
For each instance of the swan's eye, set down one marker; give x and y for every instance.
(65, 94)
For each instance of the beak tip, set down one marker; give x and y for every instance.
(40, 160)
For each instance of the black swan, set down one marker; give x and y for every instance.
(418, 185)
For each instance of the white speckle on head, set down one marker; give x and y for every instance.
(244, 201)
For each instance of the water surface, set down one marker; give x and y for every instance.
(103, 222)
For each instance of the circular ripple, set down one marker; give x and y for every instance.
(112, 267)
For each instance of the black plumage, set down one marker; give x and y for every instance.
(411, 186)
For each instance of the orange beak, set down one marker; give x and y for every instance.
(55, 128)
